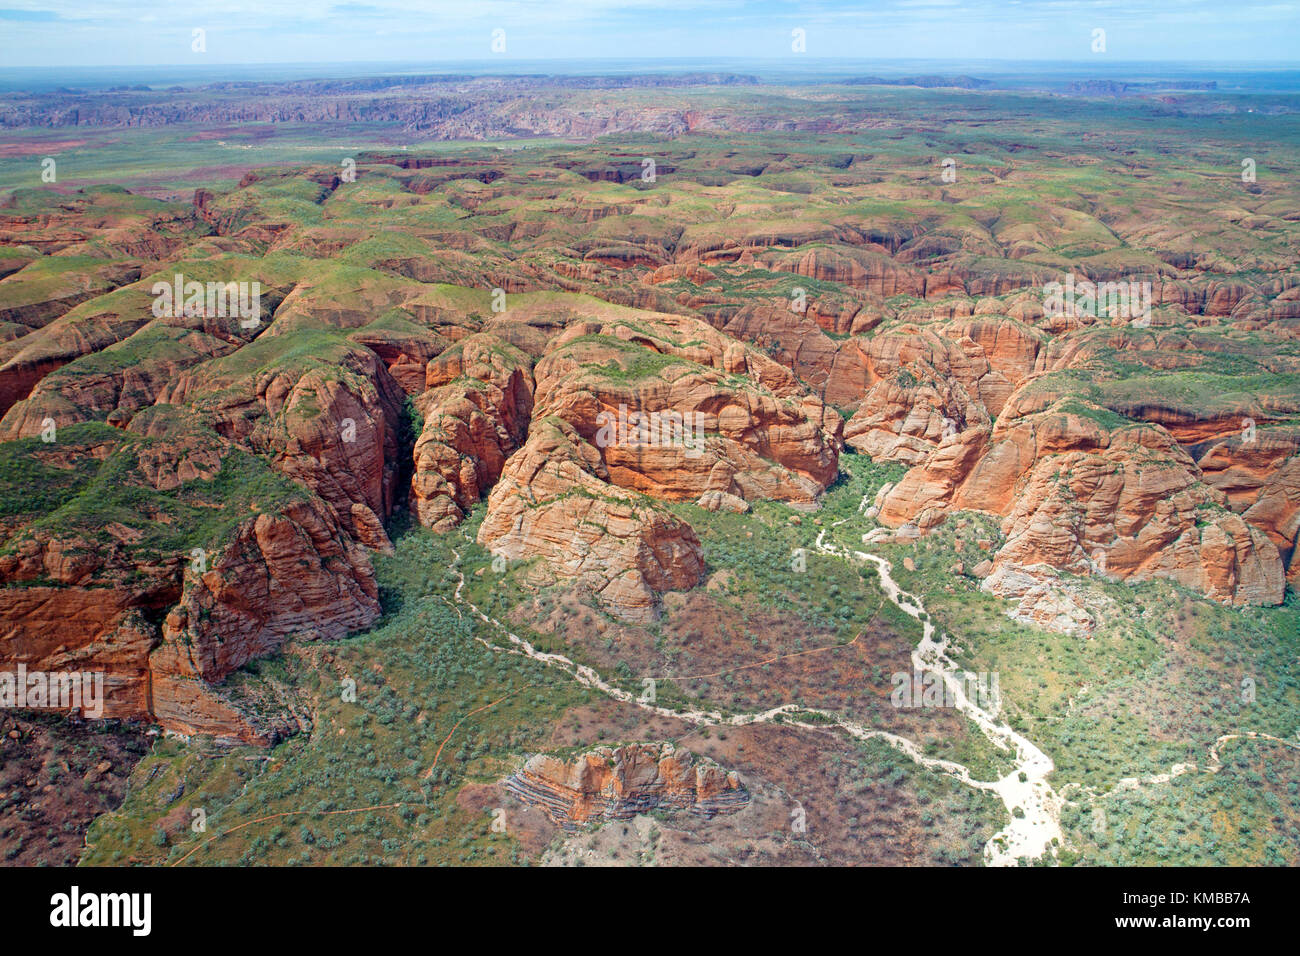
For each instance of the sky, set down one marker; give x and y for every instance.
(80, 33)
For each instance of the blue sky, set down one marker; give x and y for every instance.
(129, 33)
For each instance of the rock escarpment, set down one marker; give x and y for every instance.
(1083, 491)
(174, 560)
(334, 428)
(614, 412)
(747, 428)
(617, 784)
(554, 501)
(476, 413)
(295, 573)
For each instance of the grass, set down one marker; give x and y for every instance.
(32, 484)
(1158, 681)
(92, 497)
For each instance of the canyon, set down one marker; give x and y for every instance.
(185, 497)
(384, 383)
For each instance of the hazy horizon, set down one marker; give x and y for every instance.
(1243, 77)
(69, 33)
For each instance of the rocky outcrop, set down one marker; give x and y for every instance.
(1277, 512)
(476, 415)
(1045, 598)
(405, 353)
(795, 338)
(118, 380)
(126, 592)
(295, 573)
(858, 268)
(677, 422)
(289, 574)
(554, 501)
(1243, 465)
(84, 630)
(624, 408)
(716, 501)
(904, 420)
(335, 428)
(988, 356)
(617, 784)
(1080, 493)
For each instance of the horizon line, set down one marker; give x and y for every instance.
(1054, 61)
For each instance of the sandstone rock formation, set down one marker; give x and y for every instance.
(333, 429)
(559, 416)
(904, 420)
(617, 784)
(295, 573)
(554, 501)
(163, 606)
(476, 415)
(745, 428)
(744, 304)
(1081, 495)
(1277, 512)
